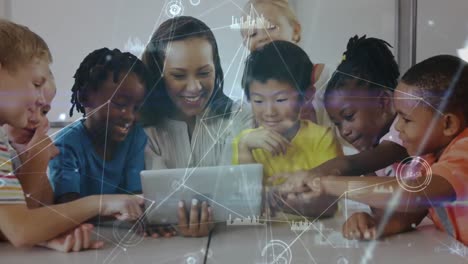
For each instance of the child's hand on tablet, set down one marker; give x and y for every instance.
(195, 225)
(123, 207)
(360, 226)
(75, 240)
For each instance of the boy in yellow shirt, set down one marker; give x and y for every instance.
(274, 81)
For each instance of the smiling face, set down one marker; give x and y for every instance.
(276, 105)
(360, 117)
(189, 76)
(418, 135)
(24, 135)
(22, 92)
(119, 116)
(278, 28)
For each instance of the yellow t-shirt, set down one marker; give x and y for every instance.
(312, 146)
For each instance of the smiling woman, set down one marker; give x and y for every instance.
(189, 121)
(188, 118)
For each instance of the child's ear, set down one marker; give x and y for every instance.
(385, 101)
(452, 124)
(296, 32)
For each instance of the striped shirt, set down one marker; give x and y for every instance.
(10, 188)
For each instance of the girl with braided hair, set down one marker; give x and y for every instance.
(103, 153)
(358, 99)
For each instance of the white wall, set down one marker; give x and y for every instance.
(328, 24)
(442, 27)
(74, 28)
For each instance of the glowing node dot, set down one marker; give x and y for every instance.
(62, 117)
(413, 225)
(28, 195)
(430, 23)
(108, 57)
(191, 260)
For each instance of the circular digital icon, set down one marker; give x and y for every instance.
(128, 236)
(195, 2)
(414, 174)
(174, 8)
(277, 252)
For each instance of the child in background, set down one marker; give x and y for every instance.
(283, 24)
(432, 123)
(283, 142)
(24, 70)
(358, 100)
(104, 152)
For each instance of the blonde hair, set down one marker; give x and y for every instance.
(19, 46)
(282, 5)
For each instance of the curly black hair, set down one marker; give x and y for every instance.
(95, 69)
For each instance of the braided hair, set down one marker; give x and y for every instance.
(95, 69)
(367, 61)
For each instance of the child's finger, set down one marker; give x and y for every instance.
(183, 228)
(373, 233)
(86, 236)
(280, 143)
(194, 220)
(68, 243)
(78, 240)
(268, 147)
(204, 227)
(96, 244)
(363, 227)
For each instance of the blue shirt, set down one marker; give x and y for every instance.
(79, 169)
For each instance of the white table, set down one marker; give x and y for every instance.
(138, 250)
(236, 244)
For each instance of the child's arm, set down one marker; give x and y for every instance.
(28, 227)
(362, 189)
(385, 154)
(33, 171)
(365, 226)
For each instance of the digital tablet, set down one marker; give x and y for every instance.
(232, 191)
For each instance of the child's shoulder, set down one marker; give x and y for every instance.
(459, 145)
(72, 130)
(313, 128)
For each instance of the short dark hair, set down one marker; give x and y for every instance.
(369, 63)
(158, 104)
(282, 61)
(95, 69)
(442, 82)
